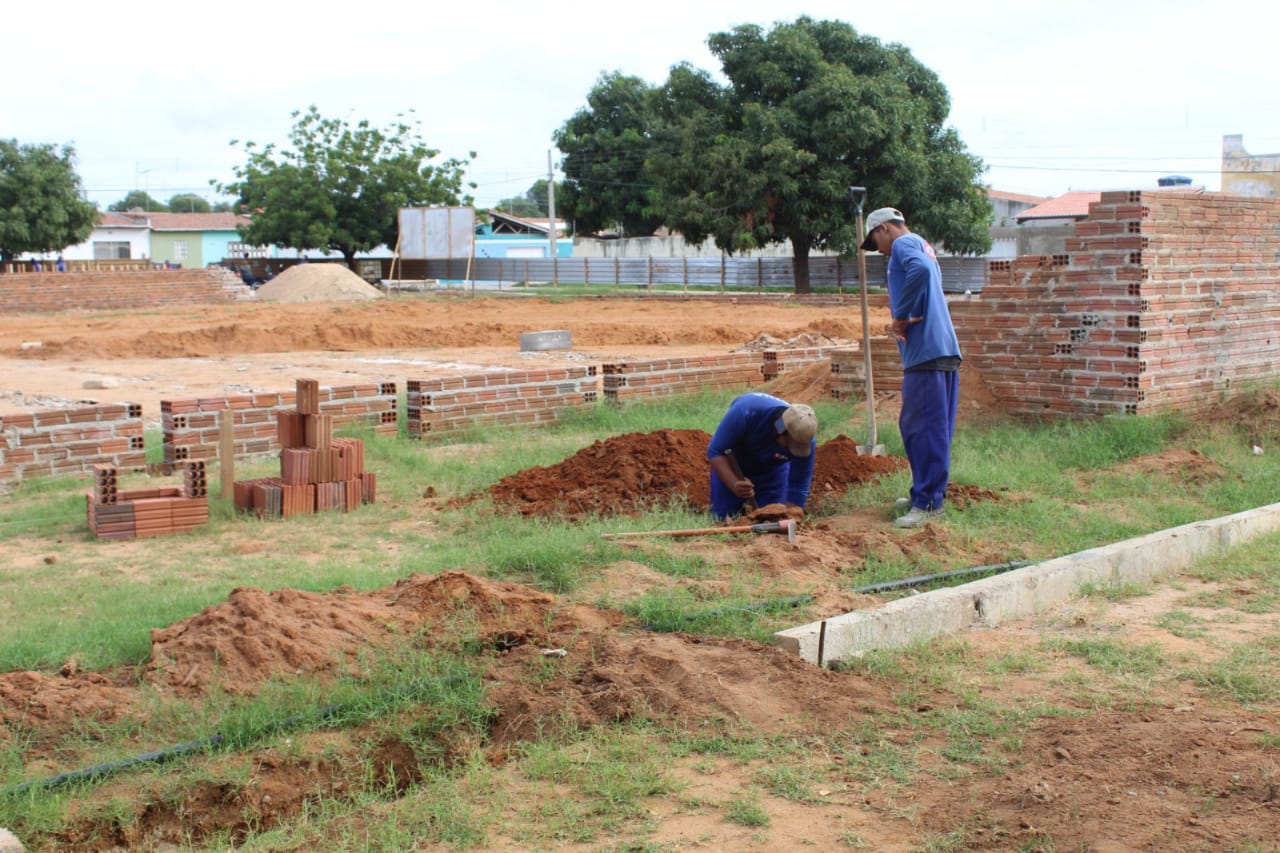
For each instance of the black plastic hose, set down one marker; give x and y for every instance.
(918, 580)
(159, 756)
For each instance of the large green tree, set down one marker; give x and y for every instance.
(42, 204)
(810, 109)
(189, 203)
(605, 146)
(340, 186)
(138, 200)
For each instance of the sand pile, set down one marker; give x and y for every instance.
(318, 283)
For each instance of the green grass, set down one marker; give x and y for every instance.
(1064, 487)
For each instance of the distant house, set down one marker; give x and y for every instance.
(1006, 206)
(507, 236)
(1066, 209)
(189, 239)
(198, 239)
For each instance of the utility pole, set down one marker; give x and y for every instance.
(552, 231)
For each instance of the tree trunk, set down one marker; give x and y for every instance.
(800, 263)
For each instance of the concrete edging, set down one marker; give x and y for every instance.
(1024, 591)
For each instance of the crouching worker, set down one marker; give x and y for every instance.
(762, 451)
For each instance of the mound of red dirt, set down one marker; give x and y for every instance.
(628, 473)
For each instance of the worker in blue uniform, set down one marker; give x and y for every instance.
(930, 360)
(762, 451)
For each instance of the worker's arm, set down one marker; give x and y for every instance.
(740, 486)
(800, 479)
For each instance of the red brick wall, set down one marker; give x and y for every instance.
(32, 293)
(192, 428)
(71, 441)
(1163, 301)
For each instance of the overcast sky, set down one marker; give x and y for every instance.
(1053, 97)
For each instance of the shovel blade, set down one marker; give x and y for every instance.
(872, 450)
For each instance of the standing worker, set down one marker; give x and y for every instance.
(930, 359)
(762, 451)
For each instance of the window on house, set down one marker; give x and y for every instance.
(111, 251)
(179, 250)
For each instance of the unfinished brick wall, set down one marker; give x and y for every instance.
(1164, 300)
(498, 397)
(71, 441)
(30, 293)
(543, 396)
(192, 429)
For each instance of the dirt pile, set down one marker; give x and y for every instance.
(628, 473)
(318, 283)
(609, 673)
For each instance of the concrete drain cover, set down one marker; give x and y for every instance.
(538, 341)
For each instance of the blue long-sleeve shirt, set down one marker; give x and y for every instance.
(915, 290)
(749, 429)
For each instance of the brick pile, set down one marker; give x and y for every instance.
(116, 513)
(318, 472)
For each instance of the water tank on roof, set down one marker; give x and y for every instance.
(1174, 181)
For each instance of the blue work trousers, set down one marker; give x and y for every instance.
(927, 423)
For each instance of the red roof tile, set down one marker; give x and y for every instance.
(1072, 205)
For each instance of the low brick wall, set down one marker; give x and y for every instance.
(499, 397)
(32, 293)
(663, 377)
(71, 441)
(192, 430)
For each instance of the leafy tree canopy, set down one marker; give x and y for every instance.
(42, 204)
(605, 147)
(340, 186)
(812, 108)
(189, 203)
(138, 200)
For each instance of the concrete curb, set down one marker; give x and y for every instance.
(1022, 592)
(9, 843)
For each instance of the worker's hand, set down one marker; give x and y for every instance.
(744, 488)
(899, 327)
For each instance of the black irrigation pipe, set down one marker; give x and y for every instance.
(169, 753)
(954, 573)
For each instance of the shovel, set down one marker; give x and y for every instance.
(858, 195)
(785, 526)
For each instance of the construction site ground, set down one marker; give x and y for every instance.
(1178, 768)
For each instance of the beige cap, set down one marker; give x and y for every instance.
(801, 425)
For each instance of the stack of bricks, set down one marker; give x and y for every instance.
(317, 471)
(509, 397)
(116, 513)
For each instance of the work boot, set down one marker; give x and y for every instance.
(918, 517)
